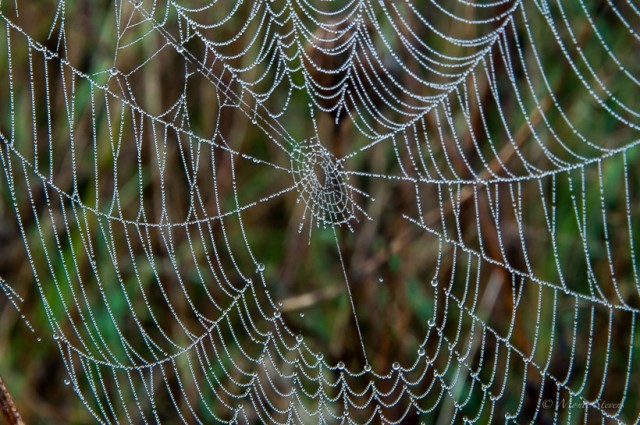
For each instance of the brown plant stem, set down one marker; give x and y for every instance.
(8, 407)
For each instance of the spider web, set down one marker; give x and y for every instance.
(476, 161)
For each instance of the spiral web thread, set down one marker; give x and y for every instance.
(465, 101)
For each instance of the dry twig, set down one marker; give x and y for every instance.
(308, 300)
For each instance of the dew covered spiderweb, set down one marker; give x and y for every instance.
(363, 211)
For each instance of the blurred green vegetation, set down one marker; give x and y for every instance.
(390, 262)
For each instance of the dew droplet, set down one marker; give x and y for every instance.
(261, 267)
(277, 315)
(299, 338)
(396, 366)
(301, 314)
(367, 368)
(113, 70)
(67, 382)
(341, 365)
(55, 336)
(320, 356)
(421, 351)
(431, 323)
(137, 3)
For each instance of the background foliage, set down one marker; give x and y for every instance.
(388, 260)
